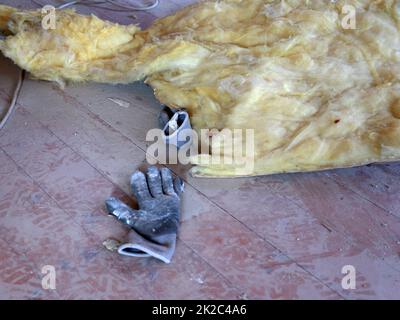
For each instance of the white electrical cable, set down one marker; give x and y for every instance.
(94, 3)
(63, 6)
(149, 7)
(14, 99)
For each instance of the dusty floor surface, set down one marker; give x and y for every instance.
(277, 237)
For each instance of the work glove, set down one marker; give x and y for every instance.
(176, 127)
(165, 116)
(154, 226)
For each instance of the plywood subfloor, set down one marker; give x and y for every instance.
(277, 237)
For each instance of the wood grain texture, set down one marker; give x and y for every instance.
(282, 236)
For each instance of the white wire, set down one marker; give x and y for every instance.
(93, 3)
(14, 99)
(65, 5)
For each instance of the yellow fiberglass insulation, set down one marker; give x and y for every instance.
(317, 95)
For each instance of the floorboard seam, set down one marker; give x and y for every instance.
(362, 196)
(108, 179)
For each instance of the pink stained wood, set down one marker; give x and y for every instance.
(276, 237)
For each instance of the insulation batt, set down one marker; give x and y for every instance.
(318, 96)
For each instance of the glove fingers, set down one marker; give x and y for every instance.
(113, 204)
(122, 212)
(179, 185)
(167, 181)
(154, 181)
(139, 186)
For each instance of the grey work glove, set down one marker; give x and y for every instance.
(155, 225)
(176, 127)
(165, 115)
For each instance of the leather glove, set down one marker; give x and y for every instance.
(155, 225)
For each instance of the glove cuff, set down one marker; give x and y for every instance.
(159, 247)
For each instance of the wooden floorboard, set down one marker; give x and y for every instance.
(283, 236)
(107, 150)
